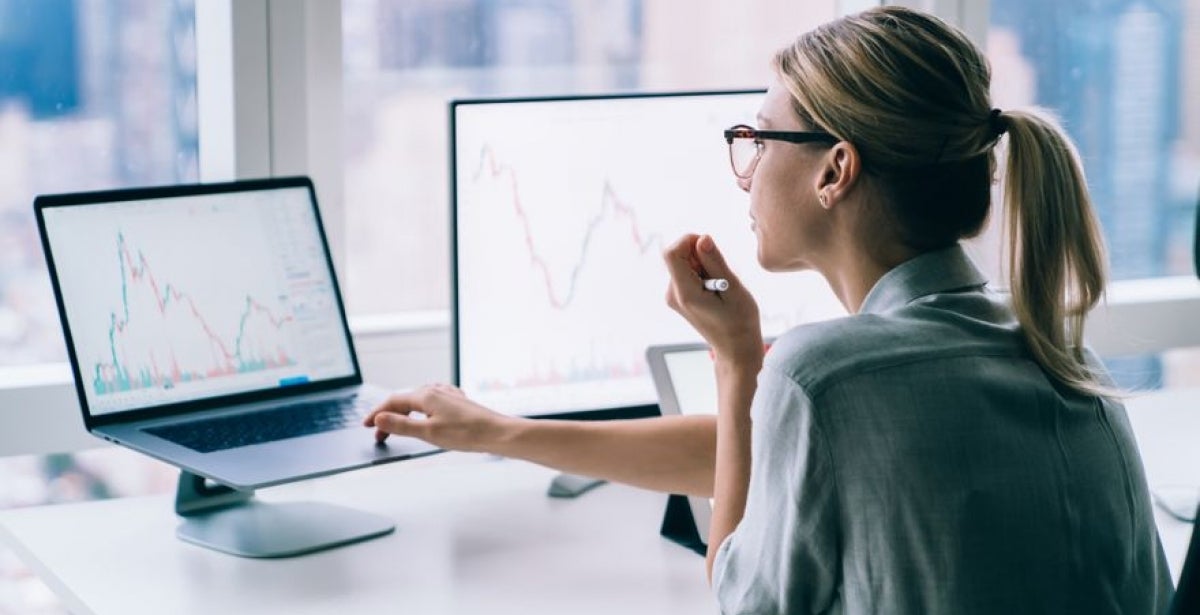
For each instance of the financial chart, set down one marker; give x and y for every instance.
(177, 299)
(563, 209)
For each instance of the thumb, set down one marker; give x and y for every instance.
(711, 258)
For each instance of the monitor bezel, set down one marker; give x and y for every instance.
(75, 199)
(606, 413)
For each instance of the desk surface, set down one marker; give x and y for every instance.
(476, 535)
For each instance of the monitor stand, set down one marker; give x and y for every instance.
(566, 485)
(232, 521)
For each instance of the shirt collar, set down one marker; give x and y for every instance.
(940, 271)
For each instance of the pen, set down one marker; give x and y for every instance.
(716, 285)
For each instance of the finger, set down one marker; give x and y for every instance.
(399, 403)
(399, 425)
(711, 259)
(682, 262)
(685, 284)
(683, 248)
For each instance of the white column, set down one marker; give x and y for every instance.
(305, 59)
(233, 96)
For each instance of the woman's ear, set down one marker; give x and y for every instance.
(839, 173)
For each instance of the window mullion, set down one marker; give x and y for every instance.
(233, 93)
(305, 76)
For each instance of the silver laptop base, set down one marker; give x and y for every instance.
(232, 521)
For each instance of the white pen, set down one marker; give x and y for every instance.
(716, 285)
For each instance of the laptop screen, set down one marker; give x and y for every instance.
(187, 297)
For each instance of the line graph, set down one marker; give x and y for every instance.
(122, 374)
(609, 201)
(562, 209)
(172, 299)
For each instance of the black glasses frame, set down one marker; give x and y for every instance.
(742, 131)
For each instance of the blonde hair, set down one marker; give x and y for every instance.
(911, 94)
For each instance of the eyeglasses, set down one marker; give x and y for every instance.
(746, 145)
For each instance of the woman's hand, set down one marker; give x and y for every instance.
(439, 414)
(728, 320)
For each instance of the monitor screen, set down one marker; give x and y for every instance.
(562, 208)
(176, 299)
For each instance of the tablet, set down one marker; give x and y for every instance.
(686, 384)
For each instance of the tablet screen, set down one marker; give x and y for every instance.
(693, 380)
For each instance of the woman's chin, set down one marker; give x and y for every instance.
(774, 264)
(767, 263)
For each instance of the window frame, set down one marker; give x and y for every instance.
(271, 104)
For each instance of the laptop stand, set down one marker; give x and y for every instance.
(232, 521)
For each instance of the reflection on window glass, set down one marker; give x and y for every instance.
(1124, 77)
(93, 95)
(405, 59)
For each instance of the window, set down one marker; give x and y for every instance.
(405, 59)
(93, 95)
(1122, 77)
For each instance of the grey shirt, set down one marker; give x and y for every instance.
(914, 458)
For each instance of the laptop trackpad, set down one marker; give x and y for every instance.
(396, 448)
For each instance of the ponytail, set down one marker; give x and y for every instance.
(1056, 252)
(912, 94)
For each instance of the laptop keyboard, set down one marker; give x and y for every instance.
(225, 432)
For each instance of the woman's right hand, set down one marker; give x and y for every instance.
(727, 320)
(440, 414)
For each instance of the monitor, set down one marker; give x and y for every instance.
(561, 210)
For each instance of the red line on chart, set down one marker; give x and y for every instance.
(117, 376)
(608, 200)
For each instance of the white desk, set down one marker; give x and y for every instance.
(1167, 426)
(474, 535)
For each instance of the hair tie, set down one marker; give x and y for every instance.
(997, 123)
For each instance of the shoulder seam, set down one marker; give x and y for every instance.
(814, 387)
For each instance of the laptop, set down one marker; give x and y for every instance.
(205, 328)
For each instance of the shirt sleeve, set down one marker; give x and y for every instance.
(784, 556)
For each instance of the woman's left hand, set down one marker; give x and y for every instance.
(728, 320)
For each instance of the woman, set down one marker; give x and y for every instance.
(942, 450)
